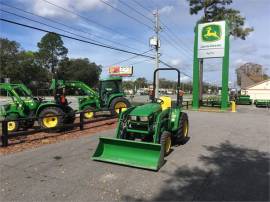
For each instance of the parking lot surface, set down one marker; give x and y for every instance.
(226, 158)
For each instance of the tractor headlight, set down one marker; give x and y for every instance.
(133, 118)
(144, 118)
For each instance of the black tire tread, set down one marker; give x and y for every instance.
(162, 141)
(180, 136)
(55, 110)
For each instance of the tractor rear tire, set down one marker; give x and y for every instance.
(182, 134)
(55, 119)
(117, 103)
(166, 142)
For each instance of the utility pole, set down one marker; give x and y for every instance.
(157, 29)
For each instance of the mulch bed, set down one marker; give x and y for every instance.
(41, 138)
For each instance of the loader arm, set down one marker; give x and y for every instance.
(13, 94)
(74, 84)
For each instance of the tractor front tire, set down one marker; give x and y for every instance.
(182, 134)
(166, 142)
(88, 113)
(119, 103)
(50, 118)
(13, 126)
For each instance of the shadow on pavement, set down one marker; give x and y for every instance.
(239, 174)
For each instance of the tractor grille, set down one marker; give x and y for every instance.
(138, 126)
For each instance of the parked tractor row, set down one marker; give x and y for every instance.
(24, 108)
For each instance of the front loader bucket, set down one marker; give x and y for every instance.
(130, 153)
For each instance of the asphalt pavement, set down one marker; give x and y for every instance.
(226, 159)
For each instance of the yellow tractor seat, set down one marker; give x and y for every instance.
(167, 102)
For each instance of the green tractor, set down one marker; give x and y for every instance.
(145, 133)
(110, 95)
(243, 100)
(23, 104)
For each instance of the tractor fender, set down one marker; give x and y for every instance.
(45, 105)
(89, 103)
(175, 116)
(161, 124)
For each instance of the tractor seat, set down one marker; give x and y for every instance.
(167, 102)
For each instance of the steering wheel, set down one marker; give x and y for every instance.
(159, 101)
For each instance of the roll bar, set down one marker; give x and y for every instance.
(178, 82)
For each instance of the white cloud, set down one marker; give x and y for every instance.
(46, 9)
(175, 62)
(185, 78)
(85, 5)
(166, 10)
(240, 61)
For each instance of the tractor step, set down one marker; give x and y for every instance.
(131, 153)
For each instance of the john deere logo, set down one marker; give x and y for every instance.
(211, 33)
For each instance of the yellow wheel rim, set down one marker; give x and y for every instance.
(50, 122)
(120, 105)
(89, 115)
(168, 144)
(185, 128)
(11, 125)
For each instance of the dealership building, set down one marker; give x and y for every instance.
(259, 90)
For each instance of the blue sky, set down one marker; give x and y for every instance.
(131, 35)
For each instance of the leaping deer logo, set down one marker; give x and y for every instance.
(211, 33)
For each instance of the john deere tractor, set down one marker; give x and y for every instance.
(23, 104)
(109, 97)
(146, 133)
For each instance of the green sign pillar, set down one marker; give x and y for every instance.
(225, 71)
(211, 41)
(196, 73)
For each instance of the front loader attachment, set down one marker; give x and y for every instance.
(130, 153)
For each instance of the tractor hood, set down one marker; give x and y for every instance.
(146, 109)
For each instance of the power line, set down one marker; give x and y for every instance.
(73, 38)
(121, 61)
(88, 20)
(135, 10)
(50, 26)
(135, 1)
(175, 36)
(76, 29)
(148, 10)
(124, 13)
(170, 66)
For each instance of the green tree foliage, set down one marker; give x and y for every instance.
(216, 10)
(21, 66)
(31, 69)
(8, 54)
(141, 82)
(79, 69)
(128, 85)
(51, 51)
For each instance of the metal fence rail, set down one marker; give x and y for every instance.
(6, 134)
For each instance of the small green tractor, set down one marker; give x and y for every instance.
(23, 104)
(262, 103)
(110, 95)
(243, 100)
(145, 133)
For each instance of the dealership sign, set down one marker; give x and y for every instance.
(120, 71)
(211, 39)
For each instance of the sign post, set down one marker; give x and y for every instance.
(211, 41)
